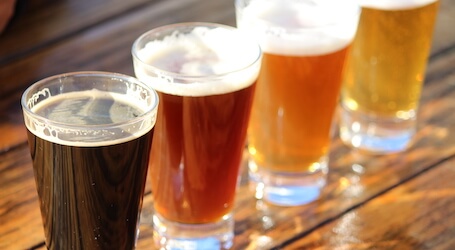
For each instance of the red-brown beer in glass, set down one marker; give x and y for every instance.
(205, 75)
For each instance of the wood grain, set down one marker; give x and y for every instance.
(397, 201)
(418, 214)
(39, 24)
(20, 217)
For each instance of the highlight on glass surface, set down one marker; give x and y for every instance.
(304, 44)
(385, 74)
(205, 75)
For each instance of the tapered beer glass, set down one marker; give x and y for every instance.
(385, 74)
(205, 75)
(304, 45)
(90, 135)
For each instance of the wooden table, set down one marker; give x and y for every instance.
(399, 201)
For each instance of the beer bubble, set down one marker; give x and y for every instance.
(46, 132)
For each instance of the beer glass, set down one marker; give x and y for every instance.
(205, 76)
(385, 74)
(90, 135)
(304, 47)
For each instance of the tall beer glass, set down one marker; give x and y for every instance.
(304, 47)
(205, 75)
(90, 135)
(385, 74)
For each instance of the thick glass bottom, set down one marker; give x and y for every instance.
(178, 236)
(288, 189)
(376, 134)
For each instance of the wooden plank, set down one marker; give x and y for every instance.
(107, 46)
(20, 217)
(419, 214)
(444, 38)
(37, 24)
(11, 123)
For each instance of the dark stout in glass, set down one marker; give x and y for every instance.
(90, 136)
(95, 191)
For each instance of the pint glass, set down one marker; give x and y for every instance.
(205, 76)
(90, 135)
(304, 47)
(385, 74)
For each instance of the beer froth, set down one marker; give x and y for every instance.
(395, 4)
(300, 28)
(218, 54)
(87, 118)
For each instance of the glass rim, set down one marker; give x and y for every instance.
(194, 78)
(149, 112)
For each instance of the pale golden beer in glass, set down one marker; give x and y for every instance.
(385, 73)
(304, 44)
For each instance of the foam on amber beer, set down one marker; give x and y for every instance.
(394, 4)
(330, 30)
(200, 53)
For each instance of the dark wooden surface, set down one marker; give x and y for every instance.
(398, 201)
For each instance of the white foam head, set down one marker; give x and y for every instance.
(205, 61)
(299, 28)
(89, 117)
(395, 4)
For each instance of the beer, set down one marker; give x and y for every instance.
(293, 109)
(205, 81)
(90, 152)
(114, 173)
(299, 82)
(205, 135)
(386, 70)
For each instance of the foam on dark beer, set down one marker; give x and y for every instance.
(76, 124)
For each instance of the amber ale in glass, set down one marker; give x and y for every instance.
(304, 44)
(205, 75)
(385, 73)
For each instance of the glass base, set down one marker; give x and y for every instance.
(177, 236)
(376, 134)
(288, 189)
